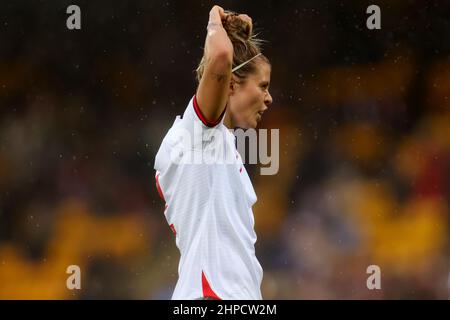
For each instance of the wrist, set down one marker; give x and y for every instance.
(214, 24)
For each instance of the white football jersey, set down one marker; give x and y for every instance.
(209, 198)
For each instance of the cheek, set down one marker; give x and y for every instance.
(249, 102)
(255, 98)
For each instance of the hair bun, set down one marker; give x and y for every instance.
(246, 46)
(236, 28)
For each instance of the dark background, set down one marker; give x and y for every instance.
(364, 125)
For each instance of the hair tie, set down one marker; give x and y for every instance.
(244, 63)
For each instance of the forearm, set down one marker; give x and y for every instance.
(212, 92)
(218, 47)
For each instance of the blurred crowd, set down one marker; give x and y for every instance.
(364, 119)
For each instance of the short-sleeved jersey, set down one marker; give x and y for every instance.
(209, 198)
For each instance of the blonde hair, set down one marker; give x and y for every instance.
(246, 46)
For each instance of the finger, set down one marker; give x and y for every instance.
(222, 13)
(216, 7)
(217, 10)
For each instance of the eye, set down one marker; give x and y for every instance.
(264, 85)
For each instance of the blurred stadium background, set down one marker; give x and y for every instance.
(364, 119)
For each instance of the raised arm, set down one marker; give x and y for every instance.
(213, 89)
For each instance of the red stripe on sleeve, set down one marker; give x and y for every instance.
(202, 117)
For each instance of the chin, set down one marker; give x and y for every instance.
(249, 124)
(252, 125)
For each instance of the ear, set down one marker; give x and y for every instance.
(232, 85)
(234, 82)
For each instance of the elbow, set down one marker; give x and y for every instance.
(221, 61)
(223, 54)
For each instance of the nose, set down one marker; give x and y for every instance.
(268, 99)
